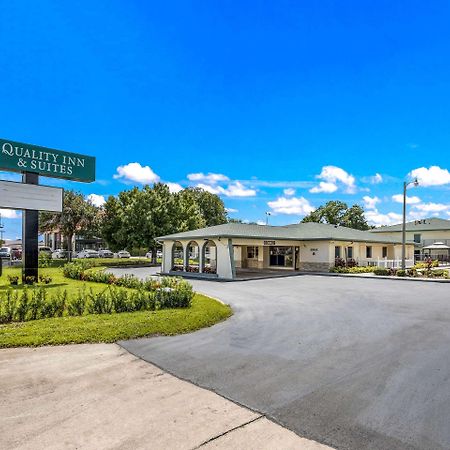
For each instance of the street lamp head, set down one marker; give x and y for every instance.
(416, 182)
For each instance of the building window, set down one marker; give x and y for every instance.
(417, 238)
(368, 251)
(252, 252)
(384, 251)
(350, 252)
(337, 251)
(281, 256)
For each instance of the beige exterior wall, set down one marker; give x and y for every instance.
(312, 255)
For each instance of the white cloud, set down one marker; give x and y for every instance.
(289, 192)
(137, 173)
(324, 187)
(97, 200)
(235, 189)
(371, 202)
(260, 222)
(210, 178)
(409, 200)
(432, 207)
(231, 210)
(376, 218)
(10, 214)
(213, 189)
(331, 176)
(174, 187)
(293, 205)
(376, 179)
(433, 176)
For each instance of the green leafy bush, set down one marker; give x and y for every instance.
(401, 273)
(381, 271)
(77, 304)
(355, 269)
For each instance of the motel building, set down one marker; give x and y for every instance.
(235, 250)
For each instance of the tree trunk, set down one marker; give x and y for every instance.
(69, 247)
(154, 255)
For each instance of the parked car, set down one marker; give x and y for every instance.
(59, 254)
(45, 250)
(105, 253)
(123, 254)
(5, 252)
(88, 253)
(16, 253)
(158, 254)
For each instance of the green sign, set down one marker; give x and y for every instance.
(48, 162)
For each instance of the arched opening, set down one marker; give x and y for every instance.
(193, 253)
(177, 257)
(209, 257)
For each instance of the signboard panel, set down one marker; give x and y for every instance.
(29, 196)
(19, 157)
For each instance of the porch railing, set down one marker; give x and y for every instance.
(386, 263)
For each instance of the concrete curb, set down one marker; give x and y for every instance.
(378, 277)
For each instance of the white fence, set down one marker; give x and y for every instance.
(387, 263)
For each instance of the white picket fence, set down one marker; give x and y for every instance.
(386, 263)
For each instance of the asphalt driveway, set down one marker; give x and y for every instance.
(353, 363)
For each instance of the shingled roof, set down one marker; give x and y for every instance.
(309, 231)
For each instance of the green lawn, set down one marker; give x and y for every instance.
(204, 312)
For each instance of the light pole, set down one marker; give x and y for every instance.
(405, 186)
(267, 217)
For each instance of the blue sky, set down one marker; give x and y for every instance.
(290, 104)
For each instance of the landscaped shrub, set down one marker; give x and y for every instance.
(401, 273)
(13, 280)
(99, 303)
(8, 306)
(77, 304)
(125, 294)
(355, 269)
(381, 271)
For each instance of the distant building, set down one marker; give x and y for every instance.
(56, 240)
(423, 233)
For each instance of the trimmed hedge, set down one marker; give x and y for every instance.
(33, 304)
(355, 269)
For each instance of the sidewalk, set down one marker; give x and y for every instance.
(101, 397)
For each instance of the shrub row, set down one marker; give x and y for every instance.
(32, 304)
(412, 272)
(354, 269)
(81, 270)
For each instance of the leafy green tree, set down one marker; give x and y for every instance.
(137, 217)
(338, 213)
(78, 217)
(211, 206)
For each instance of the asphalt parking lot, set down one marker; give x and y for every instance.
(352, 363)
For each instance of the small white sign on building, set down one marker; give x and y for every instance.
(28, 196)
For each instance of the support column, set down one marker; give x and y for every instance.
(231, 256)
(185, 256)
(30, 235)
(201, 257)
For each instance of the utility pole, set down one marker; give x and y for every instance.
(267, 217)
(405, 186)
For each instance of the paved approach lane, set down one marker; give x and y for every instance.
(353, 363)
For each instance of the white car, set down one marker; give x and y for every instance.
(123, 254)
(158, 254)
(88, 254)
(59, 254)
(105, 253)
